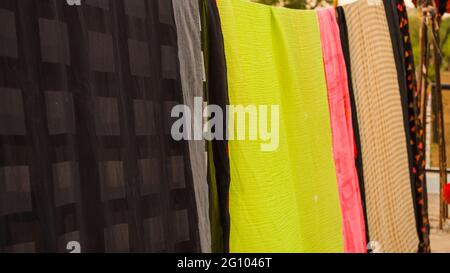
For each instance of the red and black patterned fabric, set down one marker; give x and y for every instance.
(417, 128)
(406, 68)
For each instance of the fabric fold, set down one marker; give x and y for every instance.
(285, 200)
(216, 94)
(387, 182)
(87, 157)
(399, 26)
(343, 31)
(188, 24)
(342, 132)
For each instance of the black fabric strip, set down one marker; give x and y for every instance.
(358, 159)
(217, 94)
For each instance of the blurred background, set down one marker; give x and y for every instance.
(414, 23)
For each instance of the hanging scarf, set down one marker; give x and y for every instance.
(85, 145)
(387, 182)
(217, 94)
(342, 129)
(399, 28)
(285, 200)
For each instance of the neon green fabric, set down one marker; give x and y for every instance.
(285, 200)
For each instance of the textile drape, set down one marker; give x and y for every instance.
(389, 202)
(399, 25)
(86, 153)
(279, 200)
(342, 131)
(358, 148)
(188, 23)
(216, 89)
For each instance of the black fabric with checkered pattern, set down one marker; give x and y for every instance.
(85, 148)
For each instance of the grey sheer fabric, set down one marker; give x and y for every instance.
(85, 148)
(188, 22)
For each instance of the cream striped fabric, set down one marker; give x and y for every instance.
(387, 180)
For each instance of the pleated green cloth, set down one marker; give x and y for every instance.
(284, 200)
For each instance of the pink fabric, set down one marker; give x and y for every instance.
(342, 130)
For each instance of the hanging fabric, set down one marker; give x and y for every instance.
(188, 23)
(342, 131)
(86, 154)
(216, 94)
(398, 50)
(398, 26)
(286, 199)
(343, 31)
(389, 202)
(417, 129)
